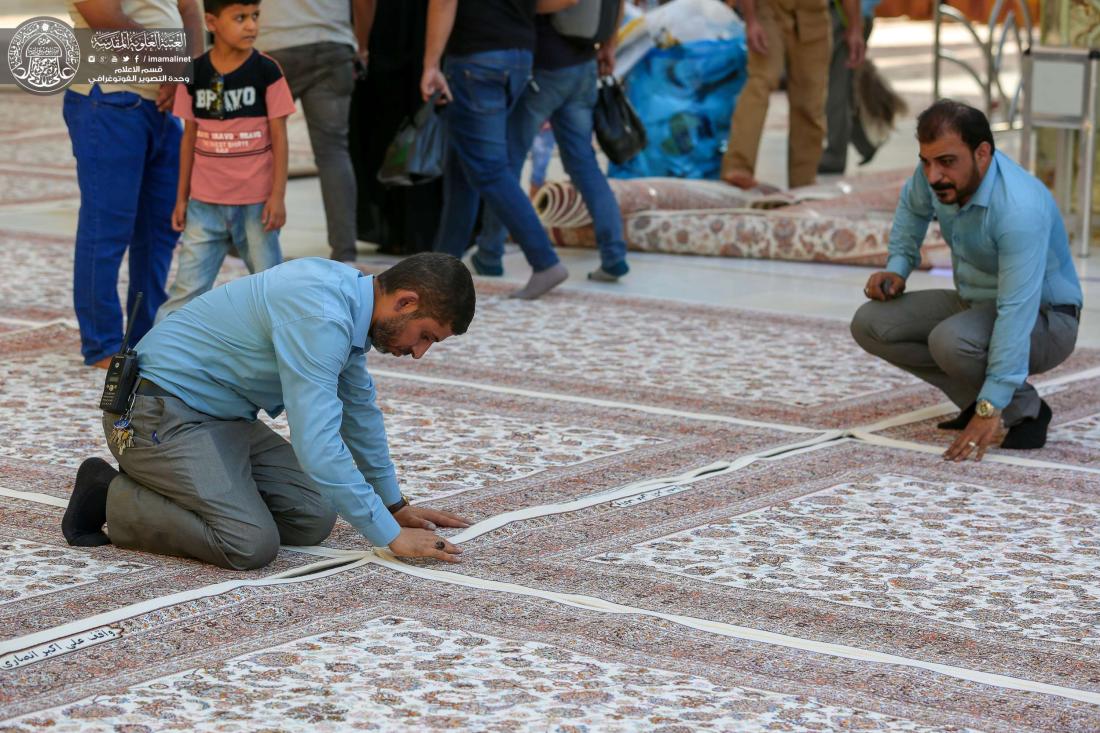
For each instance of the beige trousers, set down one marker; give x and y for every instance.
(799, 37)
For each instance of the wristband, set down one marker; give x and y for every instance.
(395, 508)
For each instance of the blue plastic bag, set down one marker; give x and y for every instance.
(685, 96)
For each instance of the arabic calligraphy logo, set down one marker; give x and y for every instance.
(43, 55)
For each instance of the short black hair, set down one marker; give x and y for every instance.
(443, 283)
(947, 115)
(215, 7)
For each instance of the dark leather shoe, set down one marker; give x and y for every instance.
(1030, 433)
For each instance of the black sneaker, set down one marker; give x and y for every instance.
(1031, 432)
(961, 421)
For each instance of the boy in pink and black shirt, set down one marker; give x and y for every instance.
(233, 158)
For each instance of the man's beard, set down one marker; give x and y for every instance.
(384, 333)
(963, 195)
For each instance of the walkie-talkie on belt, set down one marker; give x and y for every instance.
(123, 372)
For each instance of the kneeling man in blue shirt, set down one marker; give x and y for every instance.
(201, 477)
(1017, 302)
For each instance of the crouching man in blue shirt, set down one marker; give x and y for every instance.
(1017, 302)
(203, 478)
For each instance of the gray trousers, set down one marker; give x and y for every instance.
(322, 77)
(937, 336)
(227, 492)
(842, 124)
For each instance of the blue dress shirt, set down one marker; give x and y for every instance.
(1008, 244)
(293, 336)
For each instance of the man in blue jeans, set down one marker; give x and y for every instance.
(126, 145)
(564, 91)
(489, 51)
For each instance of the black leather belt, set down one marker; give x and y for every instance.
(1069, 310)
(149, 389)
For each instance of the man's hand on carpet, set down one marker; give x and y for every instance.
(423, 543)
(884, 286)
(976, 437)
(424, 518)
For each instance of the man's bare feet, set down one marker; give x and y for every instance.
(104, 363)
(741, 179)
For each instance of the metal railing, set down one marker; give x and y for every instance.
(1015, 33)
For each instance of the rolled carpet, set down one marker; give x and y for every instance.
(559, 204)
(846, 221)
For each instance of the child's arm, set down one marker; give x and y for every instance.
(274, 215)
(187, 162)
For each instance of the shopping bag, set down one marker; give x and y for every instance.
(619, 130)
(416, 153)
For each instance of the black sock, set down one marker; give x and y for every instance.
(1030, 433)
(83, 522)
(960, 422)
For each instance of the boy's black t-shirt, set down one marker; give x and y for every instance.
(492, 25)
(243, 89)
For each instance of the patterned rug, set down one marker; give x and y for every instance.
(373, 649)
(736, 363)
(513, 451)
(38, 282)
(747, 365)
(48, 584)
(979, 566)
(743, 364)
(36, 158)
(1074, 436)
(651, 553)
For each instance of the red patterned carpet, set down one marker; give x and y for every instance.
(672, 534)
(1074, 436)
(36, 160)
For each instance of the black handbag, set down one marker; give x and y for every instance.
(416, 153)
(619, 130)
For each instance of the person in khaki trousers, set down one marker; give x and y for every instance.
(795, 34)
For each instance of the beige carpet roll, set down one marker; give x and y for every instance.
(846, 221)
(560, 205)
